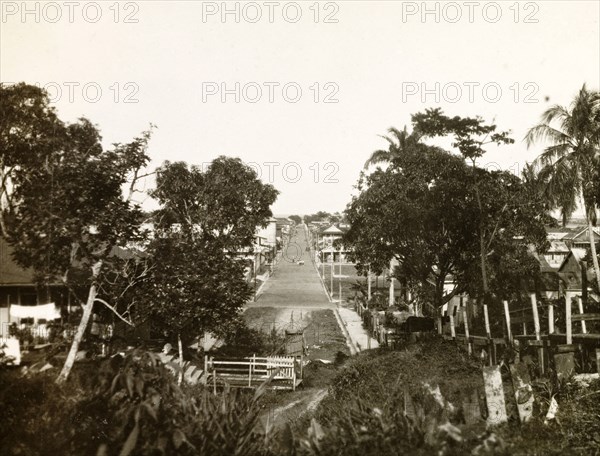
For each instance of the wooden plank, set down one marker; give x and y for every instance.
(494, 394)
(580, 306)
(521, 310)
(586, 317)
(521, 319)
(564, 364)
(523, 391)
(550, 319)
(564, 348)
(466, 323)
(486, 318)
(470, 406)
(536, 318)
(586, 337)
(598, 359)
(480, 342)
(507, 316)
(536, 326)
(524, 337)
(569, 326)
(535, 343)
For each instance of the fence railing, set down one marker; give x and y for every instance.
(284, 371)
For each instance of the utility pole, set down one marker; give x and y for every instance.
(332, 271)
(340, 281)
(369, 284)
(391, 298)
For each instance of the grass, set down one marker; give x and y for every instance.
(322, 334)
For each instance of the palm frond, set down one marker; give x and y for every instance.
(544, 132)
(555, 112)
(379, 156)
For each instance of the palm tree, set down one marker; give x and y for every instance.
(398, 142)
(568, 165)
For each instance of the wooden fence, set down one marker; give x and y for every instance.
(526, 329)
(284, 372)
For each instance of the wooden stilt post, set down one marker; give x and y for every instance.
(467, 338)
(580, 305)
(569, 327)
(507, 316)
(536, 325)
(486, 317)
(550, 319)
(488, 333)
(250, 373)
(214, 378)
(536, 318)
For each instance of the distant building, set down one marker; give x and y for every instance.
(561, 265)
(325, 240)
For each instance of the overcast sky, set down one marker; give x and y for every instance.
(361, 67)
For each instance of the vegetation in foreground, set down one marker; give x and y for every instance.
(364, 411)
(134, 406)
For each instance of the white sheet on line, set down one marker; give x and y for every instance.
(45, 311)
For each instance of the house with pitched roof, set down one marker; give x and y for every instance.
(18, 287)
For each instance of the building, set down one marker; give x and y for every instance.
(18, 287)
(325, 241)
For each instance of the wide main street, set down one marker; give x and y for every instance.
(293, 284)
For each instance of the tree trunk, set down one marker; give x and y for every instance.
(3, 205)
(594, 254)
(180, 346)
(482, 253)
(85, 318)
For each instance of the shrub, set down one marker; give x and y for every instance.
(126, 406)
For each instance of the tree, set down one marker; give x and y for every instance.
(30, 131)
(68, 214)
(321, 215)
(569, 164)
(416, 211)
(420, 212)
(399, 142)
(512, 219)
(470, 135)
(296, 218)
(205, 221)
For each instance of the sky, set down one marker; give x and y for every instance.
(300, 91)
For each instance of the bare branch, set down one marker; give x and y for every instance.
(102, 301)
